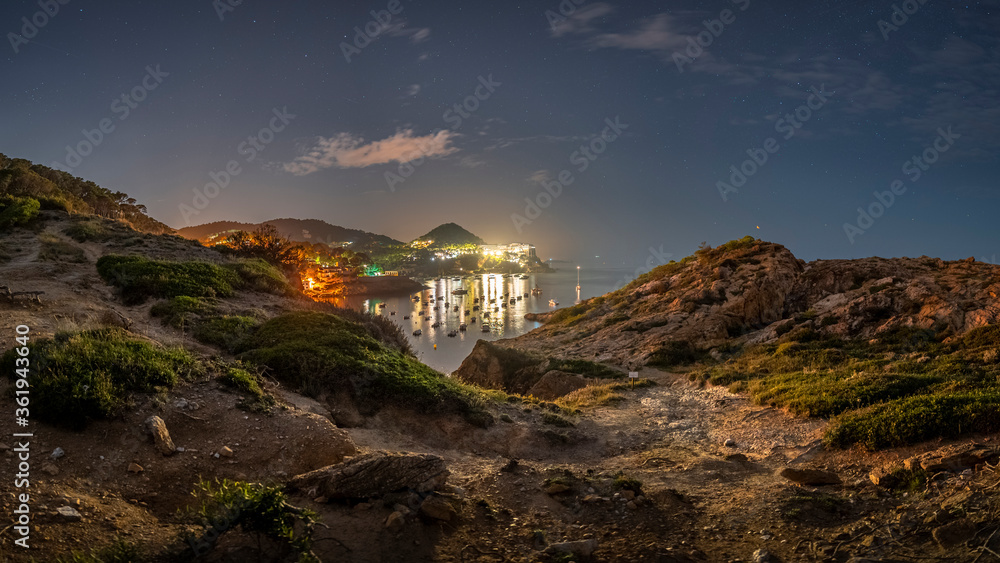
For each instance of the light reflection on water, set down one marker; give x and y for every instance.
(503, 322)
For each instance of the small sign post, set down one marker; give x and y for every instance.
(633, 375)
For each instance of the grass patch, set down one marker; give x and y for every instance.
(226, 332)
(88, 230)
(624, 482)
(256, 509)
(903, 387)
(54, 249)
(585, 368)
(319, 353)
(599, 395)
(256, 400)
(139, 278)
(675, 353)
(181, 312)
(813, 507)
(93, 375)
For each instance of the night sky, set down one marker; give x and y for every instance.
(648, 124)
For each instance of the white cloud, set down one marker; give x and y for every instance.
(348, 151)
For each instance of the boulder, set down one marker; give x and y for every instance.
(953, 458)
(954, 533)
(438, 508)
(395, 521)
(161, 437)
(810, 477)
(374, 474)
(555, 384)
(68, 514)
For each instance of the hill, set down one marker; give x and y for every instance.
(450, 234)
(300, 230)
(58, 190)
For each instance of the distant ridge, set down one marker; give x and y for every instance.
(450, 233)
(300, 230)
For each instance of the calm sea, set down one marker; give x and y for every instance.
(435, 348)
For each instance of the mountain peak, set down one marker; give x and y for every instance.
(451, 233)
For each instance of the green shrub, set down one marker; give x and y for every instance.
(88, 230)
(181, 312)
(318, 353)
(254, 508)
(226, 332)
(624, 482)
(916, 419)
(93, 375)
(16, 211)
(139, 278)
(54, 203)
(257, 399)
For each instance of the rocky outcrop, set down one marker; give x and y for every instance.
(161, 437)
(373, 475)
(757, 291)
(555, 384)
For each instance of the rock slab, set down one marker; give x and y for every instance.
(374, 474)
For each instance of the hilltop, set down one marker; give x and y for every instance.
(450, 234)
(299, 230)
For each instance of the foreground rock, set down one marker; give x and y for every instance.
(810, 477)
(373, 475)
(953, 458)
(161, 437)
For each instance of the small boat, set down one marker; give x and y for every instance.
(440, 298)
(472, 320)
(381, 305)
(417, 332)
(553, 303)
(536, 291)
(525, 294)
(475, 308)
(436, 324)
(486, 328)
(476, 300)
(392, 313)
(453, 333)
(519, 298)
(427, 318)
(466, 311)
(460, 292)
(455, 310)
(462, 327)
(406, 317)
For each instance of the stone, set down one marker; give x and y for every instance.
(4, 447)
(883, 477)
(50, 469)
(953, 534)
(68, 514)
(161, 437)
(581, 548)
(135, 468)
(810, 477)
(730, 443)
(226, 451)
(556, 488)
(953, 458)
(628, 494)
(761, 556)
(555, 384)
(438, 508)
(374, 474)
(57, 453)
(395, 521)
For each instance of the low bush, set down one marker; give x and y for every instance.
(93, 375)
(88, 230)
(317, 353)
(256, 400)
(181, 312)
(675, 353)
(54, 249)
(226, 332)
(16, 211)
